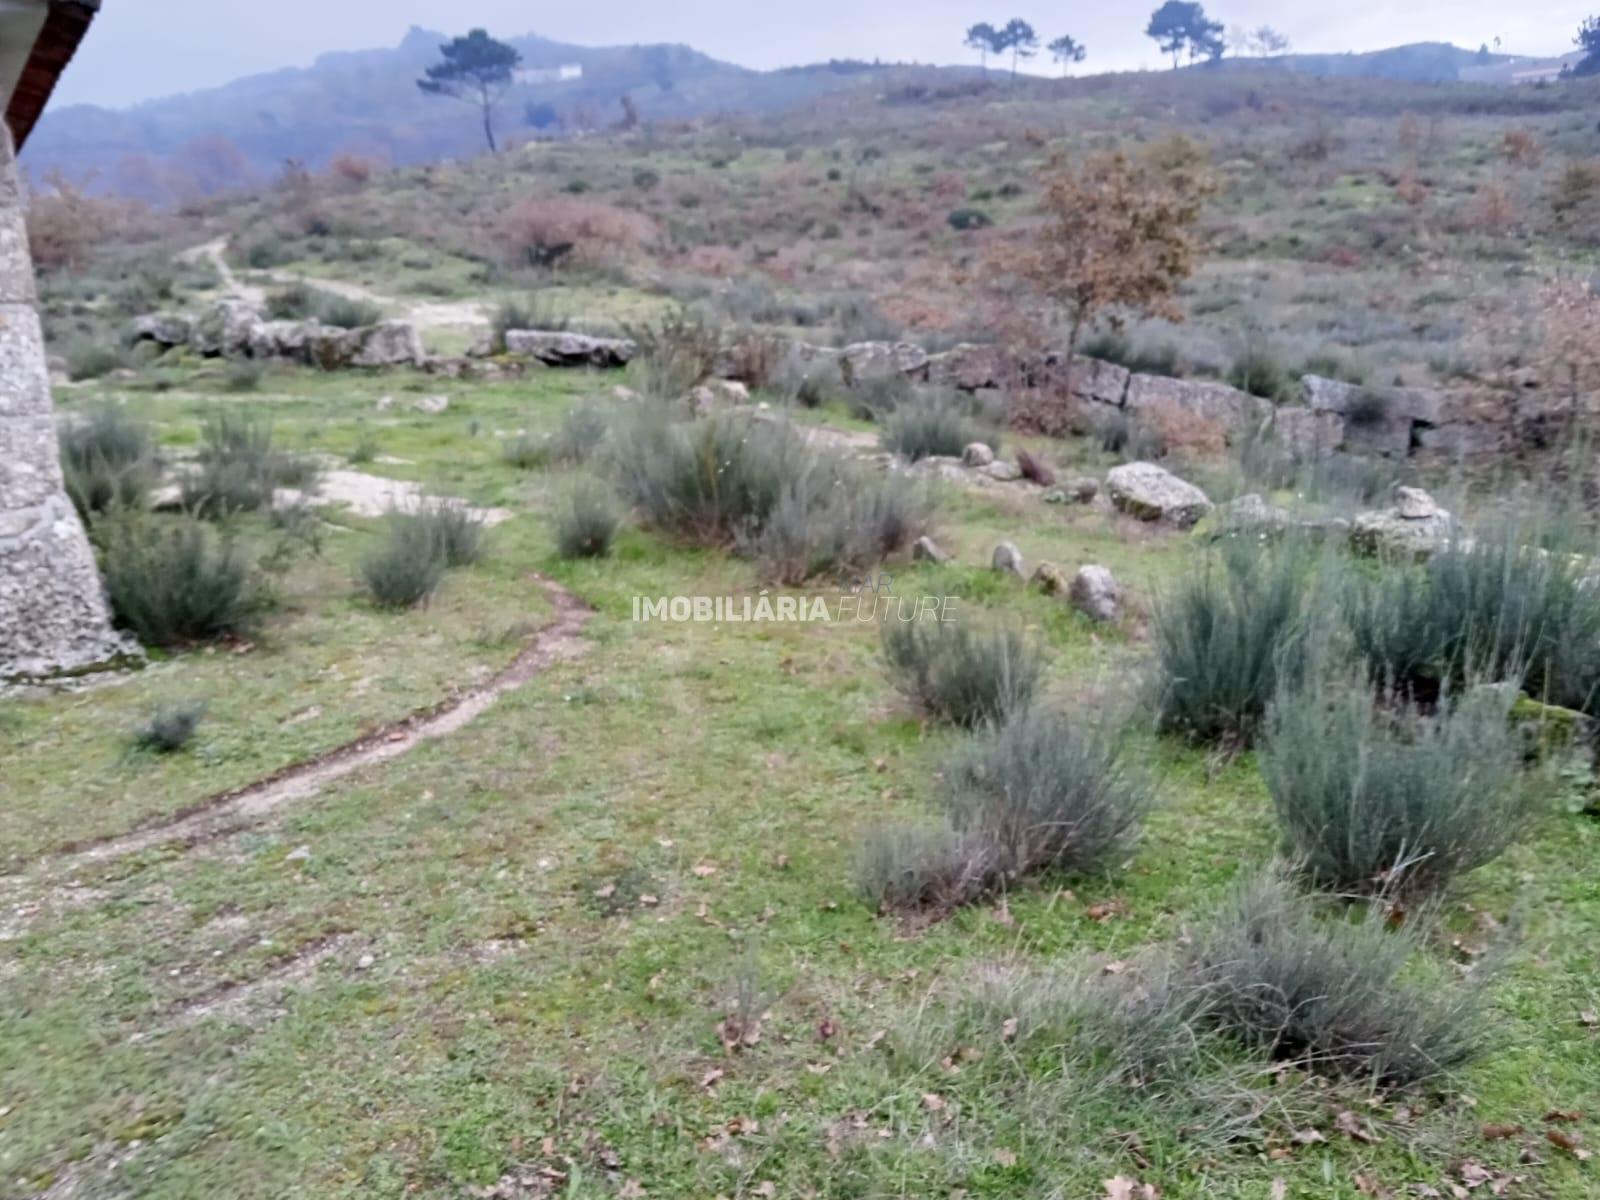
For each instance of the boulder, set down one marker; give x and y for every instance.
(1307, 432)
(226, 328)
(386, 344)
(1095, 592)
(1414, 526)
(970, 368)
(1376, 420)
(1153, 493)
(164, 329)
(1050, 579)
(1227, 406)
(1099, 382)
(877, 360)
(328, 348)
(1008, 559)
(558, 348)
(976, 454)
(926, 549)
(1003, 471)
(283, 339)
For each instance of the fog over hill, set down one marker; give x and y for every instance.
(367, 103)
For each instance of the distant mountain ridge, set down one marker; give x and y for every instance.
(365, 102)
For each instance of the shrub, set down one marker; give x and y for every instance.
(912, 867)
(810, 383)
(169, 729)
(834, 521)
(586, 523)
(242, 375)
(1261, 373)
(1043, 793)
(582, 430)
(710, 480)
(875, 397)
(1339, 995)
(304, 301)
(1231, 635)
(530, 312)
(240, 467)
(759, 487)
(172, 584)
(675, 354)
(1380, 798)
(1149, 358)
(961, 673)
(1496, 605)
(963, 219)
(91, 360)
(560, 230)
(456, 527)
(107, 460)
(933, 424)
(1120, 432)
(406, 567)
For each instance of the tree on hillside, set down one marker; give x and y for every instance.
(1589, 40)
(476, 70)
(985, 39)
(1067, 50)
(1180, 25)
(1019, 38)
(1267, 42)
(1118, 237)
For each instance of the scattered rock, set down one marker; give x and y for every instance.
(226, 329)
(1034, 470)
(976, 454)
(298, 854)
(1050, 579)
(165, 329)
(432, 405)
(386, 344)
(1096, 593)
(1008, 558)
(558, 348)
(730, 391)
(1082, 488)
(927, 550)
(1153, 493)
(1413, 527)
(1003, 471)
(384, 403)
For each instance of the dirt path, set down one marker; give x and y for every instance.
(559, 641)
(422, 314)
(216, 253)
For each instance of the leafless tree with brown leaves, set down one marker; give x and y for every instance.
(1117, 238)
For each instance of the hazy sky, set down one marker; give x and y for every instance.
(140, 49)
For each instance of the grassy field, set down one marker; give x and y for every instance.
(508, 962)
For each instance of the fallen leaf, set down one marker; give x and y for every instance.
(1006, 1158)
(1496, 1133)
(711, 1078)
(933, 1102)
(1307, 1137)
(1570, 1142)
(1353, 1127)
(606, 892)
(1008, 1030)
(1564, 1115)
(826, 1029)
(704, 869)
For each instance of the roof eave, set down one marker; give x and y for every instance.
(65, 23)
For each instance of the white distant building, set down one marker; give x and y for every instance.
(559, 74)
